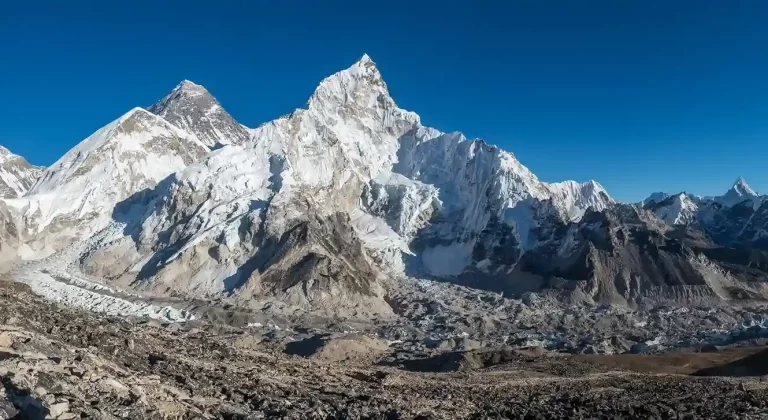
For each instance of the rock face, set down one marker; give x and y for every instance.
(16, 174)
(190, 107)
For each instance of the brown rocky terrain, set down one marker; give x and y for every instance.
(63, 363)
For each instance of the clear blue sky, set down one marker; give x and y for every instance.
(656, 95)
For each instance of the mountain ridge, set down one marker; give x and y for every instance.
(324, 208)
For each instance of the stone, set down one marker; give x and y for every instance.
(58, 409)
(115, 386)
(77, 371)
(7, 409)
(5, 339)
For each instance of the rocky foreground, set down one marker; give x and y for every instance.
(62, 363)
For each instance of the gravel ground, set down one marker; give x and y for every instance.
(67, 363)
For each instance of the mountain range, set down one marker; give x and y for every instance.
(328, 208)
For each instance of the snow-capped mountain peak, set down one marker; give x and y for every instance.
(359, 86)
(192, 108)
(16, 174)
(137, 130)
(365, 59)
(575, 198)
(677, 209)
(191, 88)
(738, 193)
(76, 195)
(350, 129)
(741, 187)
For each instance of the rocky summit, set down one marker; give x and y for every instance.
(343, 260)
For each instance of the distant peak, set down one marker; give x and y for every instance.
(742, 188)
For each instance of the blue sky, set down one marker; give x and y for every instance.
(647, 96)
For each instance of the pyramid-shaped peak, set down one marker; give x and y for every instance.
(741, 187)
(364, 65)
(188, 84)
(191, 88)
(193, 109)
(362, 78)
(365, 59)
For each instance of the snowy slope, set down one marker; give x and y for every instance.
(75, 196)
(193, 109)
(16, 174)
(678, 209)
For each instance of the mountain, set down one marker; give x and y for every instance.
(727, 217)
(329, 209)
(738, 193)
(677, 209)
(16, 174)
(657, 197)
(191, 107)
(74, 197)
(326, 204)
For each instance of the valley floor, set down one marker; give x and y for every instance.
(68, 363)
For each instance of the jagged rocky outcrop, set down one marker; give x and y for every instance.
(16, 174)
